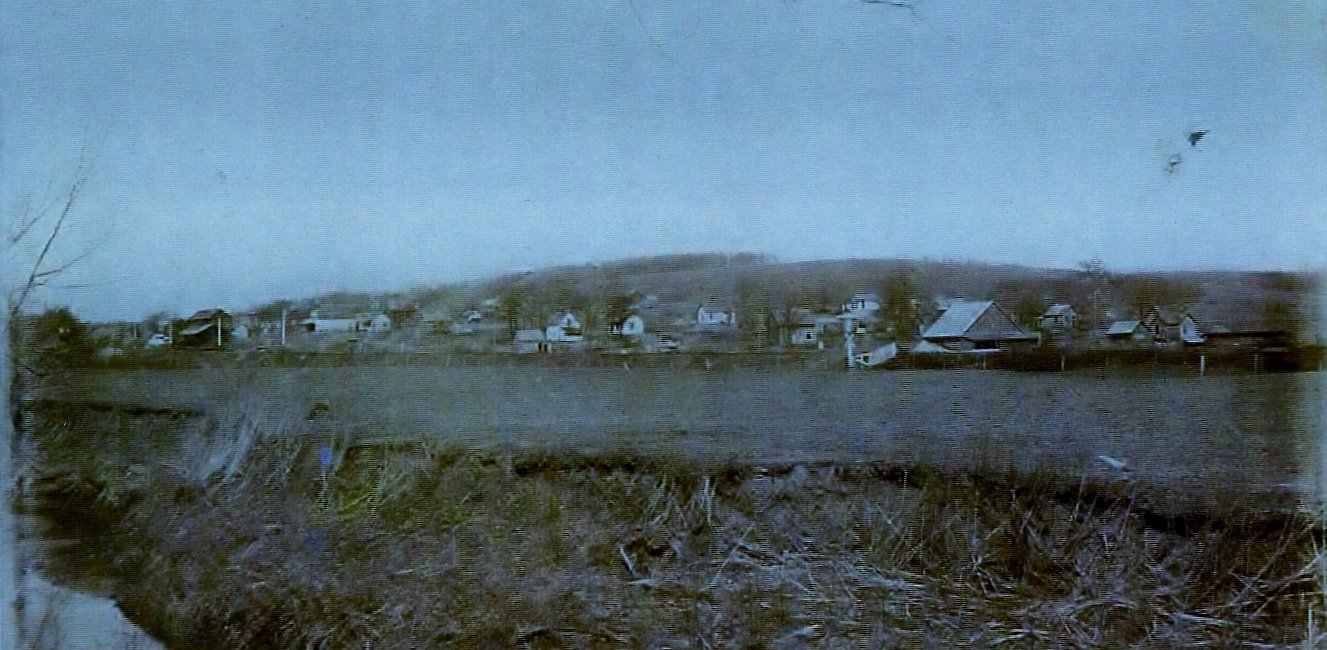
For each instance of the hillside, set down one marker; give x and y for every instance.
(742, 282)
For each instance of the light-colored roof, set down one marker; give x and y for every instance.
(866, 296)
(196, 328)
(956, 320)
(1120, 327)
(206, 313)
(1058, 309)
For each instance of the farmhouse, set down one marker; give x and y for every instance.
(1166, 325)
(632, 326)
(566, 330)
(1059, 317)
(976, 325)
(706, 317)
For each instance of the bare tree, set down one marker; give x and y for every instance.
(41, 228)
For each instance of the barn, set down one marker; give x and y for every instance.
(977, 325)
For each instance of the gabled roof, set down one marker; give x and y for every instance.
(1167, 316)
(207, 314)
(959, 320)
(197, 328)
(1123, 327)
(1058, 309)
(865, 296)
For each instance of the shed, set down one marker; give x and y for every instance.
(529, 341)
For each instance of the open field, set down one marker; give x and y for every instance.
(580, 507)
(1195, 440)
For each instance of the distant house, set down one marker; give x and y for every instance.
(807, 329)
(373, 323)
(472, 316)
(804, 335)
(706, 317)
(566, 330)
(976, 325)
(529, 341)
(632, 326)
(1058, 318)
(862, 303)
(320, 323)
(1166, 325)
(205, 328)
(436, 319)
(1127, 332)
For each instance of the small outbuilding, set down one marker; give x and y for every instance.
(1127, 332)
(529, 341)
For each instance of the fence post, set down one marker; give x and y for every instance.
(1202, 365)
(1061, 363)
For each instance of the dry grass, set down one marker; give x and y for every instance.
(1199, 439)
(314, 540)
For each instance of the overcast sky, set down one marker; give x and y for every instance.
(240, 152)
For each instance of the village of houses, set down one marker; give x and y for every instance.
(859, 334)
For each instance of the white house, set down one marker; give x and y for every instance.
(631, 326)
(864, 303)
(567, 330)
(715, 317)
(374, 323)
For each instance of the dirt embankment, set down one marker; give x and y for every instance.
(242, 540)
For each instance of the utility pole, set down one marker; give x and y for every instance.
(849, 328)
(283, 327)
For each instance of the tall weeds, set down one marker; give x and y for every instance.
(308, 539)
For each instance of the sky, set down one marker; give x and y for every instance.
(231, 153)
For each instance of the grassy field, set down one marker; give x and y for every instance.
(1195, 440)
(576, 507)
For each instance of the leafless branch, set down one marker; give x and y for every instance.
(38, 273)
(901, 4)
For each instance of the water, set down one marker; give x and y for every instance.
(65, 582)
